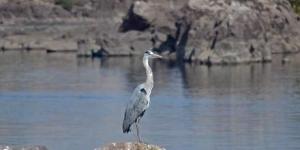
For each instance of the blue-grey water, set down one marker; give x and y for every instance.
(69, 103)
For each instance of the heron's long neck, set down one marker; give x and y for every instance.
(149, 80)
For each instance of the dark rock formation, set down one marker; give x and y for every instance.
(124, 44)
(130, 146)
(220, 31)
(205, 31)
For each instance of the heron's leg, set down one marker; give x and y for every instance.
(137, 131)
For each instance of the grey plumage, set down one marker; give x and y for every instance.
(136, 108)
(140, 99)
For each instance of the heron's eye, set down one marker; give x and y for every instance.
(147, 52)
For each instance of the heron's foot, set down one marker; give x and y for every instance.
(142, 142)
(139, 141)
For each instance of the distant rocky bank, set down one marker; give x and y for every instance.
(204, 31)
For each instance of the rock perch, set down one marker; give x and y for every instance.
(130, 146)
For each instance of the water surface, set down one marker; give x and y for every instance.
(69, 103)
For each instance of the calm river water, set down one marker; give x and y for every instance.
(67, 103)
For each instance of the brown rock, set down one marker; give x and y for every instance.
(86, 47)
(60, 46)
(10, 45)
(124, 44)
(237, 31)
(130, 146)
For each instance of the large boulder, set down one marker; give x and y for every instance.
(235, 31)
(126, 44)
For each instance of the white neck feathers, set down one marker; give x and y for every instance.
(149, 80)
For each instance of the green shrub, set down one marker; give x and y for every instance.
(296, 5)
(66, 4)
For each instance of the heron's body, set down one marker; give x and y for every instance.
(140, 99)
(136, 108)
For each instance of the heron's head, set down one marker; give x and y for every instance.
(150, 54)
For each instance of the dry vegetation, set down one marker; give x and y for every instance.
(296, 5)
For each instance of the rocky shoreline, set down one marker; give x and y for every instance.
(204, 31)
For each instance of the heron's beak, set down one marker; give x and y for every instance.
(156, 56)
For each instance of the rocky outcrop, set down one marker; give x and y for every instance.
(22, 42)
(218, 31)
(126, 44)
(15, 10)
(45, 11)
(130, 146)
(205, 31)
(33, 43)
(61, 46)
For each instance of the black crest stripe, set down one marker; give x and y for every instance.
(143, 91)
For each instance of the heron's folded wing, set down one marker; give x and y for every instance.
(136, 107)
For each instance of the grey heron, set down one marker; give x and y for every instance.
(140, 99)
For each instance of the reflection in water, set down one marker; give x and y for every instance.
(219, 80)
(65, 102)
